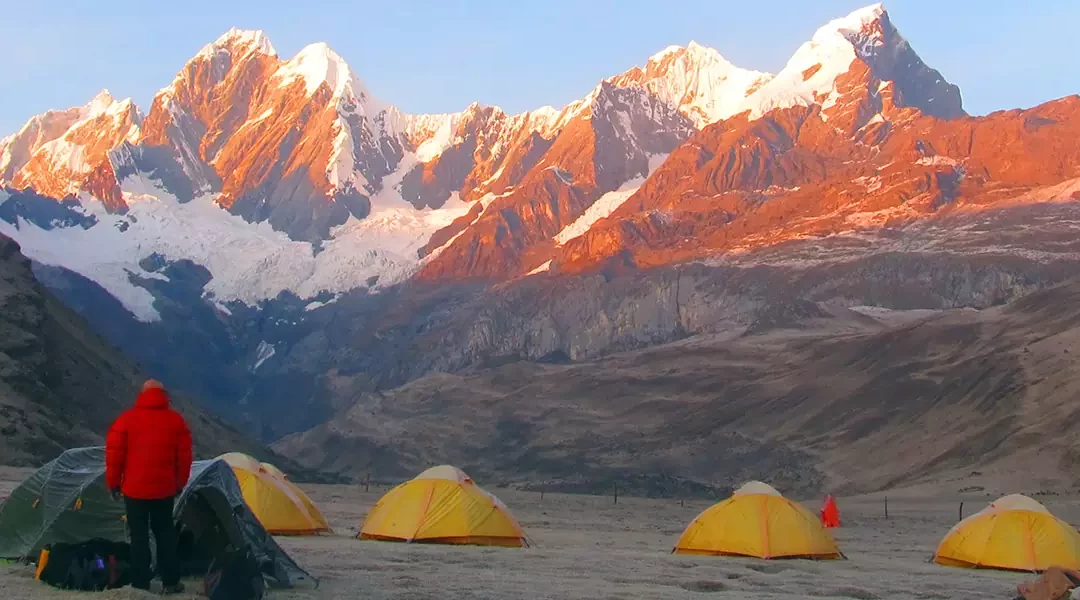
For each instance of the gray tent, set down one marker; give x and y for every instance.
(66, 501)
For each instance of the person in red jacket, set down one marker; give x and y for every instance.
(148, 461)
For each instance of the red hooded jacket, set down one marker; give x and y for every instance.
(148, 449)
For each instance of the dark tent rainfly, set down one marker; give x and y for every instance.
(66, 501)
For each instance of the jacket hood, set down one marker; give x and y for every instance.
(153, 398)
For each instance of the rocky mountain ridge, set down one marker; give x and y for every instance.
(301, 244)
(955, 399)
(302, 145)
(61, 385)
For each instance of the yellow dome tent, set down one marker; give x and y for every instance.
(1014, 533)
(442, 505)
(276, 472)
(313, 511)
(757, 521)
(281, 506)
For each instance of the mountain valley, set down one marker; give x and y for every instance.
(692, 262)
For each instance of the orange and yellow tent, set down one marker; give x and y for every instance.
(757, 521)
(281, 506)
(442, 505)
(1014, 533)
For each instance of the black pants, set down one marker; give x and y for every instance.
(142, 517)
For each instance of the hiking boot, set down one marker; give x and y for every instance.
(176, 588)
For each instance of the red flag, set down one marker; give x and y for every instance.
(830, 515)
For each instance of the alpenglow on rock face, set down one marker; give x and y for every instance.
(65, 152)
(349, 188)
(293, 236)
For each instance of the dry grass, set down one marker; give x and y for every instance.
(587, 547)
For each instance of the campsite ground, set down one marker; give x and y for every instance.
(588, 547)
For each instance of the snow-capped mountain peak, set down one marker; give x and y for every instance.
(238, 40)
(698, 53)
(123, 112)
(16, 150)
(861, 32)
(659, 56)
(810, 75)
(865, 35)
(697, 80)
(297, 157)
(858, 21)
(439, 136)
(356, 142)
(63, 153)
(316, 64)
(102, 102)
(212, 63)
(55, 151)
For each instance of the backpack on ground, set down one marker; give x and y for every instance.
(93, 565)
(235, 575)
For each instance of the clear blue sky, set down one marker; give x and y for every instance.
(438, 56)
